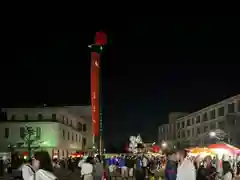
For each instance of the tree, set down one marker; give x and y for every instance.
(28, 137)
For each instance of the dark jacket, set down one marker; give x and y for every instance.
(171, 170)
(206, 173)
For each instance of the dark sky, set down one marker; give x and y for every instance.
(152, 66)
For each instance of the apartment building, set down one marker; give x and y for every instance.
(222, 117)
(193, 129)
(166, 132)
(59, 130)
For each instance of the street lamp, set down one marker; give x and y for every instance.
(219, 137)
(164, 144)
(212, 134)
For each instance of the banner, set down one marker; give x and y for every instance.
(95, 61)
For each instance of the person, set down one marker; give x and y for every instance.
(87, 169)
(80, 163)
(55, 163)
(144, 166)
(207, 171)
(43, 165)
(227, 171)
(186, 169)
(171, 167)
(27, 170)
(99, 170)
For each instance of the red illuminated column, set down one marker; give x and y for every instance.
(95, 60)
(96, 96)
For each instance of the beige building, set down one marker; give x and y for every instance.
(59, 130)
(166, 132)
(223, 118)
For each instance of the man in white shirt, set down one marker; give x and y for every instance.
(186, 169)
(80, 163)
(87, 169)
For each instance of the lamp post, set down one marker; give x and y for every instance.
(220, 136)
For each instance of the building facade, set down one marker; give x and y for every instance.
(222, 118)
(166, 132)
(59, 130)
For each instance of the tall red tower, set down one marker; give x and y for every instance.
(96, 95)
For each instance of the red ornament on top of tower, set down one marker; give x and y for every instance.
(101, 38)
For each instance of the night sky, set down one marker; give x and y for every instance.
(152, 66)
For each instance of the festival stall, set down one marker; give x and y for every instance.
(224, 149)
(202, 152)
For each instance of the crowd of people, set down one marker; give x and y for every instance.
(172, 166)
(180, 166)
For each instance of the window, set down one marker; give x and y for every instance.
(63, 133)
(13, 117)
(6, 133)
(67, 120)
(84, 142)
(84, 127)
(231, 108)
(178, 125)
(63, 153)
(79, 138)
(221, 125)
(38, 132)
(188, 133)
(22, 132)
(193, 133)
(71, 122)
(79, 126)
(26, 117)
(183, 134)
(68, 136)
(193, 121)
(72, 136)
(198, 130)
(76, 138)
(205, 129)
(188, 122)
(205, 117)
(221, 111)
(54, 116)
(213, 114)
(178, 134)
(183, 124)
(40, 117)
(198, 119)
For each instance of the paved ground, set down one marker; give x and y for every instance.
(65, 174)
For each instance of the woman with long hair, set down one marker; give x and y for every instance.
(43, 165)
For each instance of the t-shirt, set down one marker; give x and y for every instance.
(228, 176)
(87, 169)
(144, 162)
